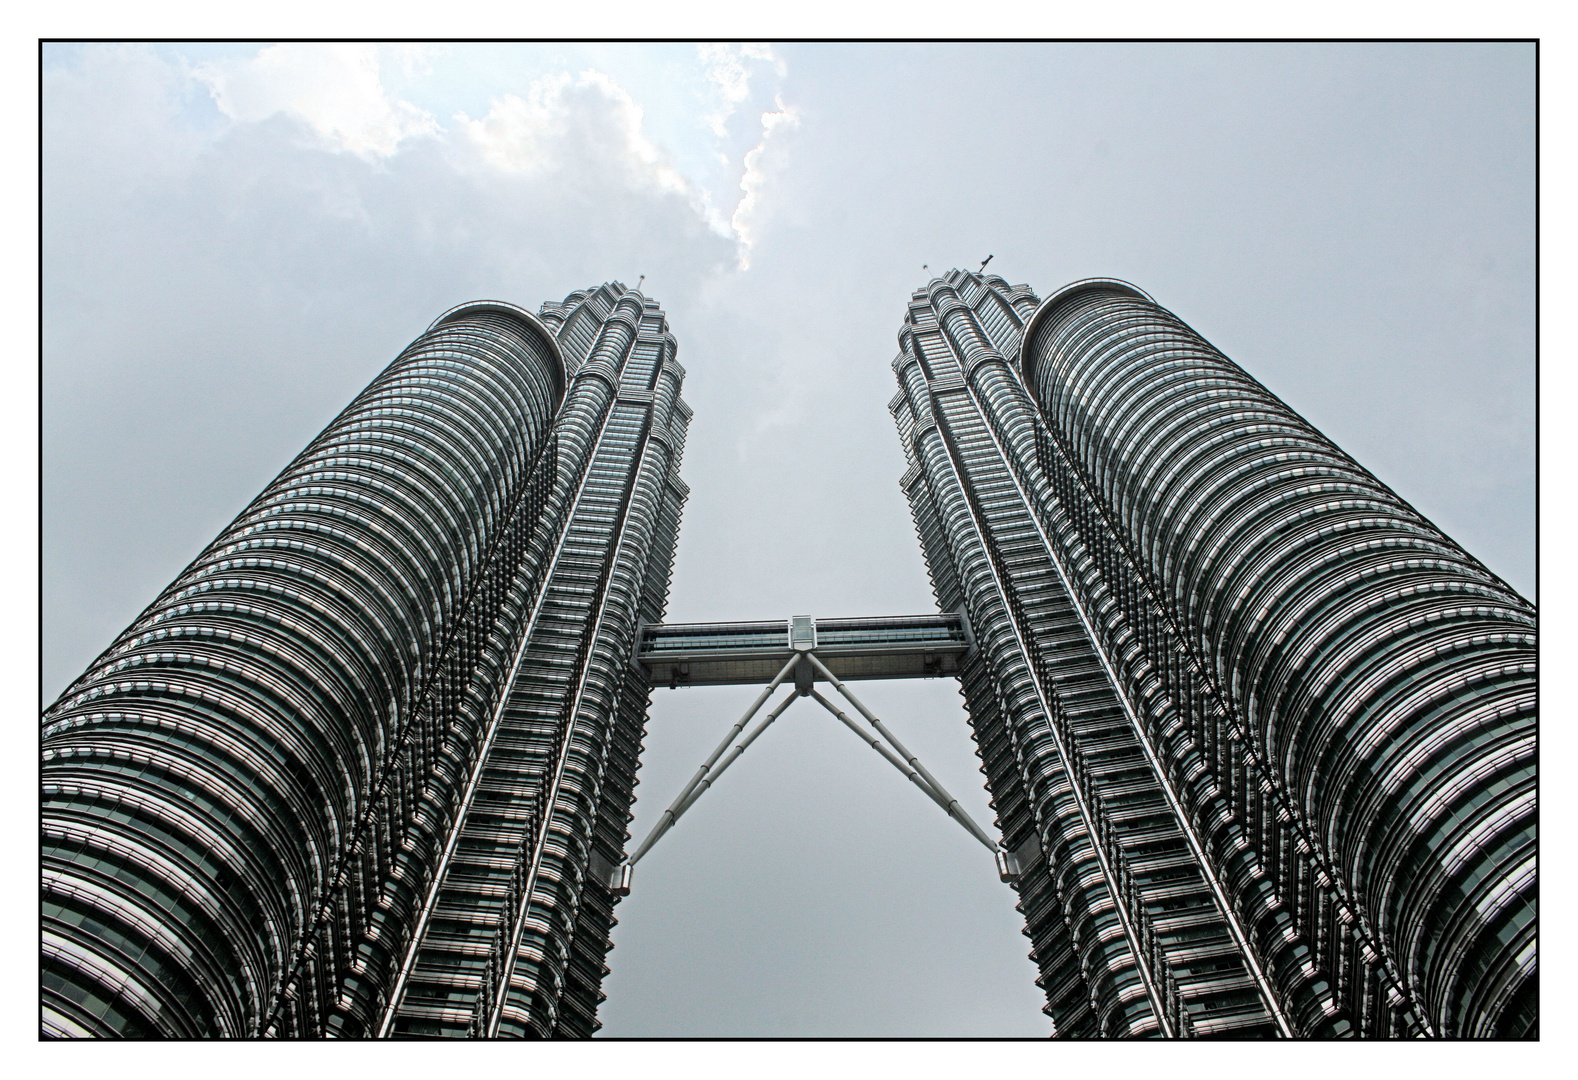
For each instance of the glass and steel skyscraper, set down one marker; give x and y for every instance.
(364, 767)
(1260, 736)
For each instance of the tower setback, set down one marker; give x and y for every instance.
(1260, 736)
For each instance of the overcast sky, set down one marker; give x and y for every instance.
(238, 238)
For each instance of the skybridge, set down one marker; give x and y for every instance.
(801, 652)
(723, 654)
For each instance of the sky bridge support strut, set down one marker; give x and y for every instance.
(883, 741)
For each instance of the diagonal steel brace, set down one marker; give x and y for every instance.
(901, 758)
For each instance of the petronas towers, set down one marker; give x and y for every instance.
(347, 774)
(1262, 734)
(1259, 738)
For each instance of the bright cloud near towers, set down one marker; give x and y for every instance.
(585, 126)
(729, 70)
(729, 73)
(563, 120)
(759, 162)
(336, 89)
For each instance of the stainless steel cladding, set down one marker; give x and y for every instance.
(347, 774)
(1264, 732)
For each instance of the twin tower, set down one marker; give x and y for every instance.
(1260, 739)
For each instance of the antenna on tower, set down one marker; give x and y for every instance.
(988, 259)
(639, 280)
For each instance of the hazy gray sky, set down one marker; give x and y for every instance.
(237, 238)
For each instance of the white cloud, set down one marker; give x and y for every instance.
(758, 162)
(582, 125)
(415, 60)
(577, 128)
(727, 71)
(563, 117)
(336, 89)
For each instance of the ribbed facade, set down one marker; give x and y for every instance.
(361, 767)
(1262, 735)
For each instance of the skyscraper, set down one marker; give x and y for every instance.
(1260, 736)
(364, 766)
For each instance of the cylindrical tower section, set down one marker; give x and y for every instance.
(208, 779)
(1387, 677)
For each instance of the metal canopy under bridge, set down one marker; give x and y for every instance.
(805, 651)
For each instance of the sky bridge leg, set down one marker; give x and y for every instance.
(946, 801)
(676, 808)
(949, 804)
(705, 779)
(734, 755)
